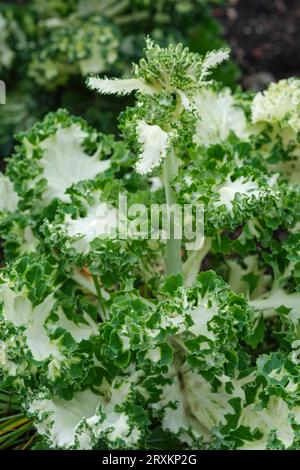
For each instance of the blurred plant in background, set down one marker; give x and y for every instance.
(47, 48)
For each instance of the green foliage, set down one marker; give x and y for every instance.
(142, 342)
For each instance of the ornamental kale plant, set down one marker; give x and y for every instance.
(48, 47)
(138, 341)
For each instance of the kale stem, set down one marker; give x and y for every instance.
(100, 296)
(192, 265)
(131, 18)
(173, 247)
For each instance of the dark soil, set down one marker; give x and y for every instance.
(264, 36)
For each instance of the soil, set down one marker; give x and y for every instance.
(264, 36)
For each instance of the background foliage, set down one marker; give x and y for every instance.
(49, 47)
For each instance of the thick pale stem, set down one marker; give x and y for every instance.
(132, 18)
(116, 9)
(192, 265)
(85, 282)
(276, 299)
(173, 248)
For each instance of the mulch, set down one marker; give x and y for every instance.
(264, 36)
